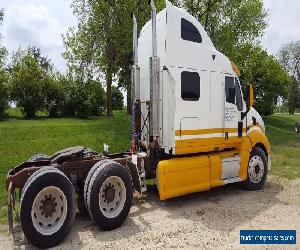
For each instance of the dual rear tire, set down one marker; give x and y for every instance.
(48, 203)
(108, 194)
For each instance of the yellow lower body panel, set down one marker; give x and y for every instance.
(180, 176)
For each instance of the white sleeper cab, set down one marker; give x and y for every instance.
(190, 96)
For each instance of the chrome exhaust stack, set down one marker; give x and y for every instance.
(154, 81)
(134, 41)
(135, 91)
(154, 37)
(135, 81)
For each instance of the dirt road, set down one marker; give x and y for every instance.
(209, 220)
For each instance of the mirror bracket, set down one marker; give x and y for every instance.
(249, 101)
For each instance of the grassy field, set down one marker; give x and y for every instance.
(22, 138)
(285, 145)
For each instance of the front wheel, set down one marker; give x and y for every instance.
(257, 169)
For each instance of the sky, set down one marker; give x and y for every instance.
(37, 22)
(42, 23)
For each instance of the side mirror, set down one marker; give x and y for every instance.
(249, 100)
(250, 96)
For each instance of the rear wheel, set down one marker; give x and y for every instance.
(110, 195)
(257, 169)
(47, 208)
(88, 179)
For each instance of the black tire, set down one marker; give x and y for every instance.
(257, 163)
(99, 177)
(88, 179)
(42, 169)
(41, 179)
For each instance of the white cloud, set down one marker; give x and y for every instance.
(284, 24)
(31, 24)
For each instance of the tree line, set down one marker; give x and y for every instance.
(30, 81)
(99, 50)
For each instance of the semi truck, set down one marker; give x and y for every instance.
(192, 130)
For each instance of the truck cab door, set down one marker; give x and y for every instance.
(233, 107)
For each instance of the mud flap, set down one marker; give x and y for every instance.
(135, 176)
(180, 176)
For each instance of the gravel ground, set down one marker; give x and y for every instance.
(207, 220)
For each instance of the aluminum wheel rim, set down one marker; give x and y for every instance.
(256, 169)
(49, 210)
(112, 196)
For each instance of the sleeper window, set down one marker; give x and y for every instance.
(189, 32)
(190, 86)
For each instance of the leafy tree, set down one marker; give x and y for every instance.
(4, 93)
(27, 82)
(101, 46)
(97, 98)
(81, 99)
(117, 98)
(293, 99)
(43, 61)
(76, 102)
(269, 79)
(54, 94)
(93, 46)
(289, 56)
(4, 90)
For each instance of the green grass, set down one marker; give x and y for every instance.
(16, 113)
(21, 139)
(285, 145)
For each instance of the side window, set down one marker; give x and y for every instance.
(233, 92)
(190, 86)
(239, 99)
(189, 32)
(230, 89)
